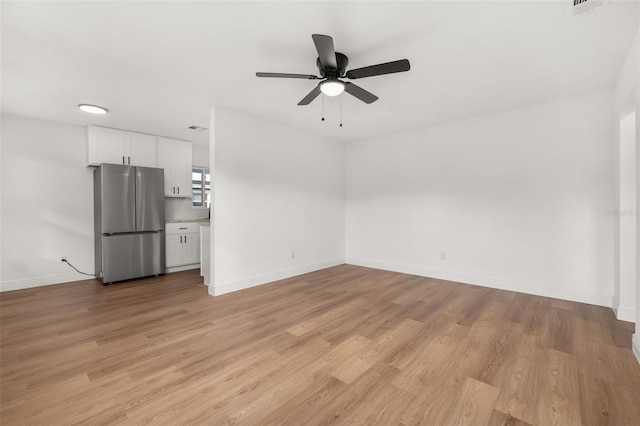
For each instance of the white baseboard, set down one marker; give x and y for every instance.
(625, 314)
(538, 290)
(220, 289)
(64, 278)
(635, 345)
(183, 268)
(42, 281)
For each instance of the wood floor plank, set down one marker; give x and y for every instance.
(296, 409)
(358, 393)
(378, 351)
(559, 403)
(345, 345)
(523, 386)
(499, 418)
(473, 405)
(384, 406)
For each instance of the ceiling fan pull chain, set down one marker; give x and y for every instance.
(323, 107)
(340, 114)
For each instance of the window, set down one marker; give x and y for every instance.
(201, 187)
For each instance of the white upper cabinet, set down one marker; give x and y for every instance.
(115, 146)
(143, 148)
(174, 156)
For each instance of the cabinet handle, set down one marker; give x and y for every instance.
(123, 160)
(178, 190)
(182, 228)
(128, 160)
(185, 239)
(180, 239)
(173, 191)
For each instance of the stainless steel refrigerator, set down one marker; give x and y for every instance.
(129, 222)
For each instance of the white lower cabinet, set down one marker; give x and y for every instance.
(182, 244)
(191, 248)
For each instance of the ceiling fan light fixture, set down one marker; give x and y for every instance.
(332, 87)
(93, 109)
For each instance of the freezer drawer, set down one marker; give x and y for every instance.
(127, 256)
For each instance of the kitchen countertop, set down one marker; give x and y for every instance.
(202, 221)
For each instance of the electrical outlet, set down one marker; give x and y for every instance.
(443, 256)
(293, 253)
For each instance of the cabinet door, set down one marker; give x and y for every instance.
(106, 146)
(174, 156)
(165, 161)
(173, 250)
(182, 167)
(142, 150)
(191, 248)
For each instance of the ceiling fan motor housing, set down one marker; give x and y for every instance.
(342, 62)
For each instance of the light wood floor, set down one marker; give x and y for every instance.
(343, 345)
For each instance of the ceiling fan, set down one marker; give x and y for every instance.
(332, 66)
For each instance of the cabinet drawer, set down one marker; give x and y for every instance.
(181, 228)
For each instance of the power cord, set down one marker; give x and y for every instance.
(67, 262)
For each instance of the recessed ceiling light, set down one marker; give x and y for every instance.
(332, 87)
(93, 109)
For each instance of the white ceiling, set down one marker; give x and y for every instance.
(160, 66)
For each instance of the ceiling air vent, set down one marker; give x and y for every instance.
(578, 7)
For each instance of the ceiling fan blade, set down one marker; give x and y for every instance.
(284, 75)
(326, 52)
(380, 69)
(360, 93)
(311, 96)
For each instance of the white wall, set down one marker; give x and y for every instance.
(200, 155)
(627, 99)
(515, 200)
(625, 115)
(636, 55)
(276, 189)
(47, 203)
(636, 336)
(626, 254)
